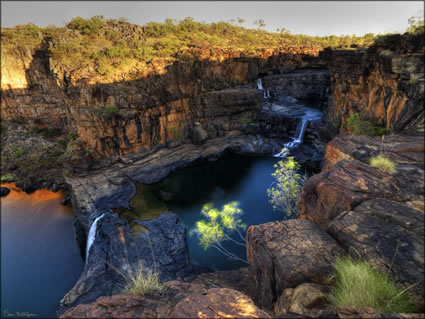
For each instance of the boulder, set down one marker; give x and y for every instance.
(306, 299)
(388, 235)
(199, 135)
(287, 253)
(218, 303)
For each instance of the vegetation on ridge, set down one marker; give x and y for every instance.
(106, 47)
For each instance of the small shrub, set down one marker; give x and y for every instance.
(175, 133)
(357, 126)
(359, 285)
(19, 151)
(386, 52)
(246, 121)
(3, 128)
(413, 81)
(6, 178)
(285, 192)
(383, 163)
(218, 226)
(141, 282)
(46, 132)
(110, 108)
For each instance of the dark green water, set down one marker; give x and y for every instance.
(40, 260)
(232, 178)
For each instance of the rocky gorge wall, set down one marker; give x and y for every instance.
(133, 116)
(385, 83)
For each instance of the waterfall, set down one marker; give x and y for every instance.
(295, 140)
(260, 84)
(266, 93)
(92, 235)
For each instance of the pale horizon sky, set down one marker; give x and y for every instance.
(300, 17)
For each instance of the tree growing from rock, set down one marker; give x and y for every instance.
(285, 191)
(218, 226)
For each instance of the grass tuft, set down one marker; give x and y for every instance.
(360, 285)
(141, 282)
(383, 163)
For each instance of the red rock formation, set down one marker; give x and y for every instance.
(384, 83)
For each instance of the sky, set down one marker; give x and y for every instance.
(305, 17)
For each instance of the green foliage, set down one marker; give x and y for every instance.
(19, 151)
(176, 133)
(113, 47)
(246, 121)
(359, 285)
(110, 108)
(416, 25)
(3, 128)
(142, 281)
(358, 126)
(86, 26)
(285, 191)
(218, 222)
(413, 81)
(6, 178)
(386, 52)
(383, 163)
(46, 132)
(218, 226)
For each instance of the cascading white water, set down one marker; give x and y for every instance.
(260, 84)
(266, 93)
(310, 115)
(92, 235)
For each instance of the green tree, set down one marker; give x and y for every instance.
(260, 24)
(285, 191)
(416, 25)
(218, 226)
(240, 21)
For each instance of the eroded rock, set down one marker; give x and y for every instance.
(218, 303)
(306, 299)
(287, 253)
(388, 235)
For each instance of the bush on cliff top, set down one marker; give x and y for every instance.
(360, 285)
(115, 47)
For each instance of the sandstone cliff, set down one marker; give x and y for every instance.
(384, 83)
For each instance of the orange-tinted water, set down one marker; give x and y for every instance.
(40, 260)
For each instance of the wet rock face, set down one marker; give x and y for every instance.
(285, 254)
(384, 83)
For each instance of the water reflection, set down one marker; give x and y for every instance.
(39, 256)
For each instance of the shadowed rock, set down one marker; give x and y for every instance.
(285, 254)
